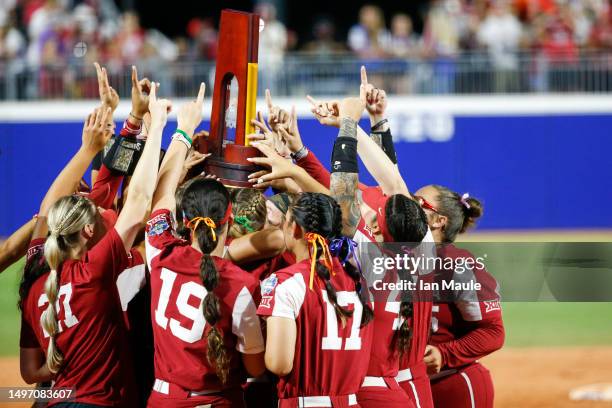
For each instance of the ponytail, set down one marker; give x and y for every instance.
(461, 211)
(320, 217)
(67, 217)
(343, 248)
(207, 196)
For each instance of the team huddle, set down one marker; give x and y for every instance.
(160, 286)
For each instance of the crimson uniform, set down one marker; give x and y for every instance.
(383, 386)
(329, 363)
(184, 378)
(464, 331)
(92, 333)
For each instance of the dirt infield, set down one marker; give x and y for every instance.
(524, 377)
(543, 377)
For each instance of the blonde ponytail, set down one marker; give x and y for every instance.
(67, 217)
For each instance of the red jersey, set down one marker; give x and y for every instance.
(468, 329)
(179, 327)
(330, 360)
(92, 335)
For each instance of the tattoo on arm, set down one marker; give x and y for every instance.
(343, 189)
(377, 138)
(348, 128)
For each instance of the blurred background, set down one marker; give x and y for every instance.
(507, 100)
(417, 46)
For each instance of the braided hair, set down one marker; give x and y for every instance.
(67, 217)
(406, 222)
(320, 214)
(249, 208)
(208, 198)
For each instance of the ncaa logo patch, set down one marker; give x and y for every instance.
(492, 305)
(157, 225)
(268, 285)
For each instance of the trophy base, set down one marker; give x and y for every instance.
(234, 169)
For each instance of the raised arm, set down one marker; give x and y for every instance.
(345, 172)
(384, 171)
(95, 135)
(16, 245)
(188, 119)
(142, 185)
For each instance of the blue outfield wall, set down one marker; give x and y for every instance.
(532, 171)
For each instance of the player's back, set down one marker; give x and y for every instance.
(92, 334)
(330, 357)
(179, 327)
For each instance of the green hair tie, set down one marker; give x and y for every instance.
(245, 222)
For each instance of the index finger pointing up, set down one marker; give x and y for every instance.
(269, 99)
(364, 76)
(153, 92)
(200, 99)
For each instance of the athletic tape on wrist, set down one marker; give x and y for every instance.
(344, 156)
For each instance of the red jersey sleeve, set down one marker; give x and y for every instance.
(36, 246)
(27, 338)
(482, 322)
(107, 259)
(486, 337)
(105, 188)
(315, 168)
(159, 233)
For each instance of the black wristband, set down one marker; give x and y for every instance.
(388, 146)
(378, 125)
(344, 156)
(300, 154)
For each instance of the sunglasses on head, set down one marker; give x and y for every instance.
(426, 205)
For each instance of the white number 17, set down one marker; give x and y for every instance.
(332, 341)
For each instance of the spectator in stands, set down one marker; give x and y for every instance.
(131, 37)
(272, 46)
(405, 43)
(324, 42)
(441, 43)
(12, 50)
(204, 38)
(500, 34)
(557, 50)
(370, 38)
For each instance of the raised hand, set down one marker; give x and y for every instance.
(268, 137)
(108, 96)
(95, 129)
(292, 136)
(325, 112)
(279, 166)
(190, 114)
(376, 99)
(277, 117)
(353, 107)
(140, 95)
(159, 108)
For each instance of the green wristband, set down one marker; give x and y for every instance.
(185, 135)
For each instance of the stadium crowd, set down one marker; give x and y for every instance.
(160, 286)
(39, 39)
